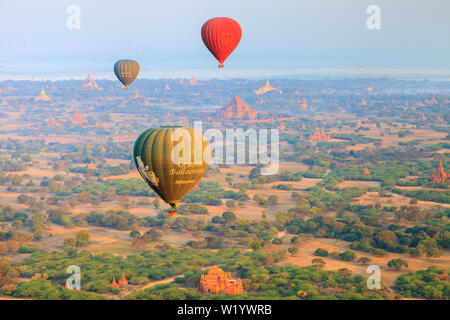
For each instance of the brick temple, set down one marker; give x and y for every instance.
(219, 282)
(439, 176)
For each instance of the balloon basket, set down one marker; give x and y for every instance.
(221, 66)
(172, 213)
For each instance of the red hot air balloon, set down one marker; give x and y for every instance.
(221, 36)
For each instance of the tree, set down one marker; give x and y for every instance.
(229, 217)
(347, 256)
(231, 204)
(397, 264)
(386, 236)
(277, 241)
(255, 245)
(16, 180)
(152, 235)
(318, 263)
(293, 251)
(364, 260)
(429, 247)
(8, 276)
(272, 200)
(156, 203)
(295, 195)
(214, 242)
(82, 238)
(135, 233)
(321, 252)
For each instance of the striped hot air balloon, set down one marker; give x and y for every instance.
(126, 71)
(171, 160)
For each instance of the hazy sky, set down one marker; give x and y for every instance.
(165, 34)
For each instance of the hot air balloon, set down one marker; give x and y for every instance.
(221, 36)
(126, 71)
(171, 160)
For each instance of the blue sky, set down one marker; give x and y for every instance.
(165, 34)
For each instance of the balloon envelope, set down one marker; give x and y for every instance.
(126, 71)
(221, 36)
(171, 160)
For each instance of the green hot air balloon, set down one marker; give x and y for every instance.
(126, 71)
(171, 160)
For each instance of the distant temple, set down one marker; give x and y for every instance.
(123, 281)
(77, 118)
(219, 282)
(114, 284)
(304, 104)
(366, 171)
(431, 102)
(193, 82)
(51, 122)
(419, 104)
(266, 88)
(359, 123)
(439, 119)
(236, 109)
(439, 176)
(423, 117)
(91, 166)
(167, 87)
(363, 102)
(43, 96)
(319, 136)
(91, 84)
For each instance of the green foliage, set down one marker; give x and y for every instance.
(321, 252)
(397, 264)
(164, 292)
(347, 256)
(430, 284)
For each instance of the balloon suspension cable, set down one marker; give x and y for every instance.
(221, 66)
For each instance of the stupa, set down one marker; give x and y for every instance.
(267, 88)
(43, 96)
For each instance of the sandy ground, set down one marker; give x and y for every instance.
(396, 200)
(358, 184)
